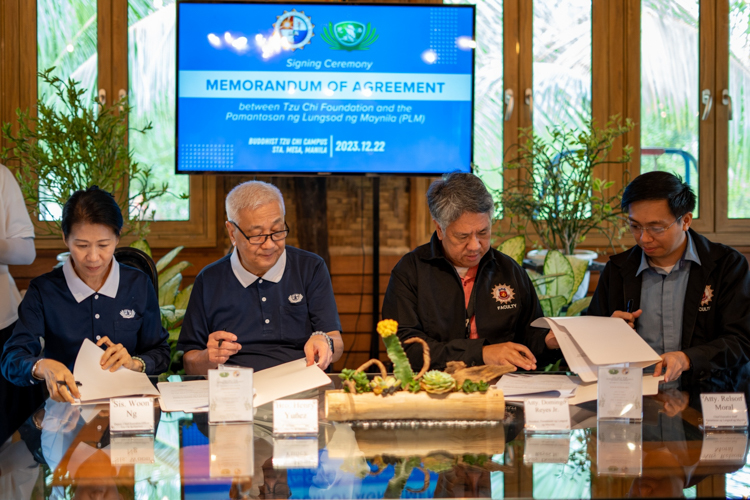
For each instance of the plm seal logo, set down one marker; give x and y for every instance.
(503, 293)
(295, 28)
(708, 294)
(349, 36)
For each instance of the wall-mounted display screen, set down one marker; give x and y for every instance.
(324, 88)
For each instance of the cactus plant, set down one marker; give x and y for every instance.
(437, 382)
(401, 367)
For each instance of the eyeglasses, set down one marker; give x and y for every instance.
(259, 239)
(654, 231)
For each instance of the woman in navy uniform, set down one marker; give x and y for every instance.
(91, 296)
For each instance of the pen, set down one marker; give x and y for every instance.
(220, 342)
(629, 307)
(62, 382)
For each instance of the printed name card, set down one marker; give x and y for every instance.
(295, 453)
(295, 416)
(131, 414)
(724, 447)
(620, 393)
(132, 450)
(724, 410)
(230, 395)
(546, 449)
(231, 450)
(546, 415)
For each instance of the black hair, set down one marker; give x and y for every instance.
(660, 186)
(92, 206)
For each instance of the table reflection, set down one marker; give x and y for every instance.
(67, 452)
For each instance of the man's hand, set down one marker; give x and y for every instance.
(509, 353)
(673, 363)
(629, 317)
(116, 356)
(317, 348)
(220, 346)
(53, 372)
(551, 341)
(674, 401)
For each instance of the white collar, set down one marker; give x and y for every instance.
(82, 291)
(246, 278)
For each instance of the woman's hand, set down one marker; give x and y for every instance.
(60, 382)
(116, 356)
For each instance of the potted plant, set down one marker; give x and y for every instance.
(70, 145)
(556, 195)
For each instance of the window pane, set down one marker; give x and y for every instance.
(562, 64)
(488, 91)
(669, 88)
(70, 47)
(739, 127)
(151, 66)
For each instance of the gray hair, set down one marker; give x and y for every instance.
(455, 194)
(251, 195)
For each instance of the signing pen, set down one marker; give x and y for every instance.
(629, 307)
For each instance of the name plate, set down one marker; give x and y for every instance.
(132, 450)
(724, 410)
(131, 414)
(231, 450)
(724, 447)
(620, 393)
(295, 453)
(546, 449)
(295, 416)
(230, 395)
(546, 415)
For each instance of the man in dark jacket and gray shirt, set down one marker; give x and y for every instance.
(468, 301)
(688, 297)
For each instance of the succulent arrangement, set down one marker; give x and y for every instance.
(456, 377)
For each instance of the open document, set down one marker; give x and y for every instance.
(588, 342)
(519, 386)
(287, 379)
(98, 384)
(189, 397)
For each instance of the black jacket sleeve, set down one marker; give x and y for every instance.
(401, 304)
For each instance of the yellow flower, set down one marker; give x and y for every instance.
(387, 327)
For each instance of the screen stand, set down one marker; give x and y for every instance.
(375, 338)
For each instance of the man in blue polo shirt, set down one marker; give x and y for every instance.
(264, 304)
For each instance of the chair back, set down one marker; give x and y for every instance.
(139, 259)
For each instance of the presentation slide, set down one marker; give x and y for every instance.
(324, 88)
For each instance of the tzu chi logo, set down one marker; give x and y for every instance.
(503, 294)
(294, 27)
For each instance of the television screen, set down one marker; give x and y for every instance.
(324, 88)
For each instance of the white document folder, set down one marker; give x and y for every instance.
(588, 342)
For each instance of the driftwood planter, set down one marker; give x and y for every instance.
(342, 406)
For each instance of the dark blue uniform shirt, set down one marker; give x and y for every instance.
(272, 316)
(65, 311)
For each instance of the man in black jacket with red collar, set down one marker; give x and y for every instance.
(468, 301)
(688, 297)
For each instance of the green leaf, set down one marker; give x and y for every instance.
(164, 261)
(173, 271)
(552, 305)
(182, 299)
(539, 282)
(174, 333)
(578, 306)
(168, 290)
(143, 246)
(580, 267)
(556, 263)
(515, 248)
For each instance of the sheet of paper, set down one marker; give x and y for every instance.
(98, 384)
(287, 379)
(588, 392)
(521, 384)
(598, 341)
(190, 397)
(230, 395)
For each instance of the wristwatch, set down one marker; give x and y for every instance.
(328, 338)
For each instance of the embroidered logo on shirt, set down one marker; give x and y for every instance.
(708, 294)
(503, 293)
(127, 313)
(295, 298)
